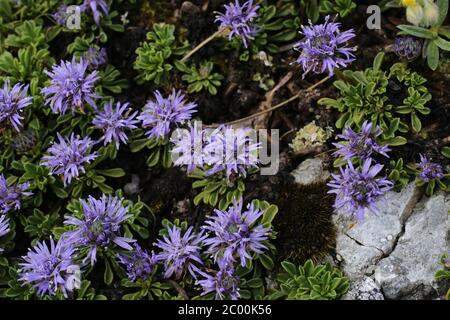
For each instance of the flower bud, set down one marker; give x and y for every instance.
(430, 13)
(414, 14)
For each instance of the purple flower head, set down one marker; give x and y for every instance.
(61, 15)
(10, 195)
(100, 225)
(139, 264)
(429, 171)
(231, 150)
(49, 269)
(360, 145)
(114, 122)
(96, 6)
(12, 102)
(95, 58)
(408, 48)
(70, 87)
(4, 227)
(239, 20)
(236, 234)
(180, 252)
(323, 48)
(224, 282)
(358, 189)
(164, 113)
(68, 157)
(188, 147)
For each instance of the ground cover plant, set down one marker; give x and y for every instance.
(129, 164)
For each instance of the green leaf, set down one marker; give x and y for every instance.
(396, 141)
(138, 145)
(108, 276)
(442, 44)
(269, 215)
(417, 31)
(113, 173)
(415, 122)
(378, 61)
(446, 152)
(432, 56)
(443, 10)
(266, 261)
(290, 268)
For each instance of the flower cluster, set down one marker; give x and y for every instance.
(361, 145)
(357, 189)
(12, 103)
(139, 264)
(98, 8)
(163, 114)
(224, 283)
(10, 195)
(95, 57)
(323, 48)
(49, 269)
(114, 122)
(100, 226)
(407, 48)
(68, 157)
(180, 252)
(429, 171)
(238, 20)
(235, 234)
(70, 87)
(228, 150)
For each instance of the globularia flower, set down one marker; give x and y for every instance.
(236, 234)
(408, 48)
(96, 6)
(224, 282)
(362, 144)
(100, 225)
(10, 194)
(429, 171)
(95, 57)
(139, 264)
(4, 227)
(357, 190)
(114, 122)
(49, 269)
(324, 48)
(231, 150)
(12, 102)
(180, 252)
(238, 19)
(71, 87)
(61, 15)
(164, 113)
(68, 157)
(188, 147)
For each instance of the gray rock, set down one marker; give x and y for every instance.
(408, 272)
(361, 244)
(310, 171)
(363, 289)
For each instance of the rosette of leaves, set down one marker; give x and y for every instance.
(159, 149)
(310, 282)
(398, 174)
(155, 56)
(436, 37)
(393, 100)
(149, 289)
(314, 8)
(200, 78)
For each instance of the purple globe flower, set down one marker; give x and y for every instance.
(61, 15)
(357, 190)
(360, 145)
(49, 269)
(188, 147)
(70, 87)
(180, 252)
(100, 226)
(323, 48)
(234, 234)
(10, 195)
(429, 171)
(408, 48)
(164, 113)
(12, 102)
(139, 264)
(224, 282)
(95, 58)
(238, 19)
(96, 6)
(68, 157)
(114, 122)
(231, 150)
(4, 227)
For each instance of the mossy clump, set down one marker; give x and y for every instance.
(304, 225)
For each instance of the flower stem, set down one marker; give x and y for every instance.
(201, 45)
(280, 105)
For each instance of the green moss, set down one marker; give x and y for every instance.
(304, 225)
